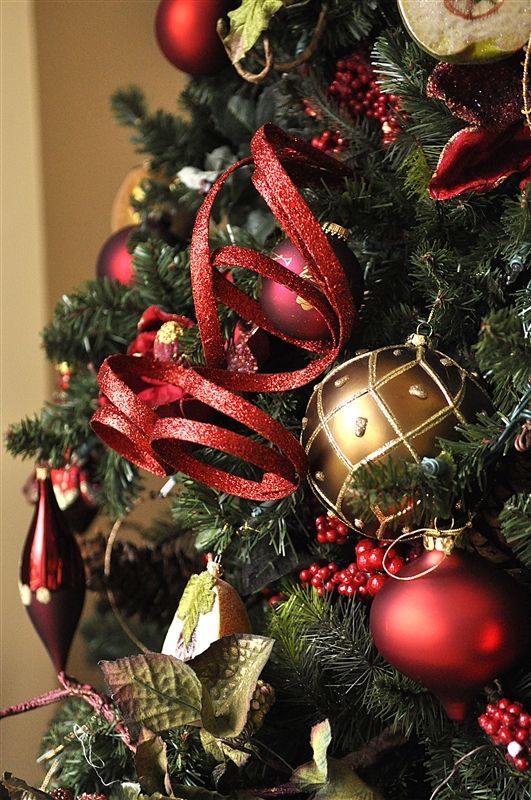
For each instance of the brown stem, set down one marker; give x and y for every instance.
(268, 62)
(73, 688)
(370, 753)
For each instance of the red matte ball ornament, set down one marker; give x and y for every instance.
(114, 260)
(291, 313)
(186, 33)
(453, 629)
(52, 576)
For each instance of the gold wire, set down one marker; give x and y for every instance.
(110, 594)
(525, 83)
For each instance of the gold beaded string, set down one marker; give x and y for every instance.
(525, 84)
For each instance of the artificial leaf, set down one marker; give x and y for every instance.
(132, 791)
(154, 690)
(478, 160)
(247, 23)
(314, 774)
(17, 788)
(221, 749)
(343, 783)
(151, 764)
(198, 598)
(228, 672)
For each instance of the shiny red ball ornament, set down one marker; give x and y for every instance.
(186, 34)
(291, 313)
(454, 629)
(114, 260)
(52, 576)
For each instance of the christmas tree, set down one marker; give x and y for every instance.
(306, 356)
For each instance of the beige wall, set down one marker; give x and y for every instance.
(63, 159)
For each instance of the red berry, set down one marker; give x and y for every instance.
(305, 575)
(360, 578)
(341, 528)
(322, 537)
(365, 544)
(363, 561)
(316, 580)
(515, 708)
(375, 583)
(320, 590)
(491, 727)
(333, 567)
(351, 591)
(342, 588)
(521, 763)
(313, 568)
(321, 522)
(324, 573)
(505, 735)
(524, 720)
(482, 720)
(352, 568)
(395, 565)
(491, 708)
(362, 591)
(521, 735)
(503, 703)
(329, 586)
(375, 557)
(507, 719)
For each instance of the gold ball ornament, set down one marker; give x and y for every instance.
(122, 214)
(390, 403)
(210, 608)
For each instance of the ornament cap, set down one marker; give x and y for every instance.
(334, 229)
(42, 471)
(443, 540)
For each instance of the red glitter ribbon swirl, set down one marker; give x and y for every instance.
(167, 445)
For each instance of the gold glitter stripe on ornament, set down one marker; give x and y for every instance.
(386, 411)
(326, 501)
(381, 382)
(323, 425)
(453, 402)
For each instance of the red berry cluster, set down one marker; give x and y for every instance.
(358, 94)
(329, 142)
(508, 724)
(331, 530)
(364, 577)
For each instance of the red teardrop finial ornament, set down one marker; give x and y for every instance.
(52, 577)
(454, 629)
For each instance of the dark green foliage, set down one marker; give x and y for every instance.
(461, 265)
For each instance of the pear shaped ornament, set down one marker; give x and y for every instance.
(210, 608)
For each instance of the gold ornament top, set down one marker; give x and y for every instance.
(333, 229)
(169, 332)
(42, 471)
(443, 540)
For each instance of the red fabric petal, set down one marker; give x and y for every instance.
(153, 317)
(161, 395)
(143, 344)
(477, 160)
(489, 95)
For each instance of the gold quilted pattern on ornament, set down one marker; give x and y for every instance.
(380, 395)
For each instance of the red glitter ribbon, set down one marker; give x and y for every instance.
(164, 446)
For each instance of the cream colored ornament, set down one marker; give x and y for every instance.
(210, 608)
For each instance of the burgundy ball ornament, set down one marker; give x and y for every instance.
(291, 313)
(453, 629)
(114, 260)
(52, 576)
(186, 34)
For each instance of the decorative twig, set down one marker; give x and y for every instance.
(268, 63)
(73, 688)
(525, 84)
(371, 752)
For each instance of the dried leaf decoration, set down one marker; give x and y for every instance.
(198, 598)
(154, 690)
(228, 671)
(247, 23)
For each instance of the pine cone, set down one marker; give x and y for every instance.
(261, 702)
(145, 580)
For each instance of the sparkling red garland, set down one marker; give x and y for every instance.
(164, 446)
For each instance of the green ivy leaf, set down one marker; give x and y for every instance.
(198, 598)
(228, 671)
(154, 690)
(314, 774)
(247, 23)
